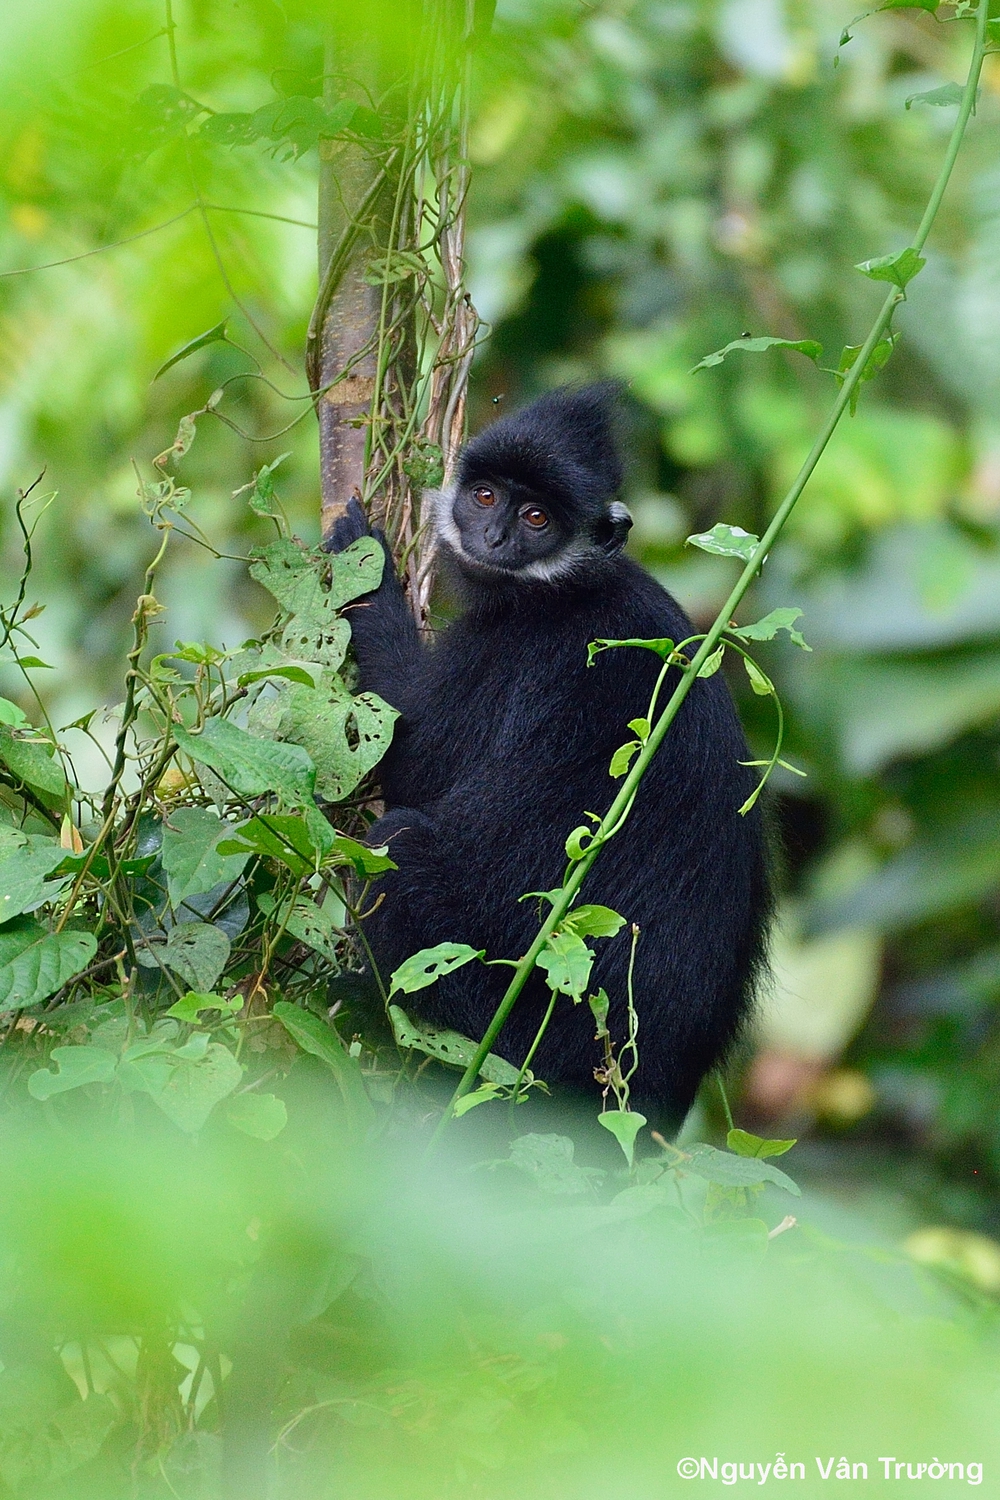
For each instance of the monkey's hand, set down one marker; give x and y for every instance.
(349, 527)
(383, 630)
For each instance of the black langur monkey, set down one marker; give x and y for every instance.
(503, 745)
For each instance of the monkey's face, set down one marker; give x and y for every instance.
(505, 527)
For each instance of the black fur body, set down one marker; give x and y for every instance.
(503, 746)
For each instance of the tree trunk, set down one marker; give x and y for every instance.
(353, 190)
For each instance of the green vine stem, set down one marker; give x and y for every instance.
(618, 811)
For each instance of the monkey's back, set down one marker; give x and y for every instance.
(503, 747)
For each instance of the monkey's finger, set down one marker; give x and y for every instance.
(348, 527)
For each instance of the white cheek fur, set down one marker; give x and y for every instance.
(544, 570)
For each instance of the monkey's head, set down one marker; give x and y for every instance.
(533, 496)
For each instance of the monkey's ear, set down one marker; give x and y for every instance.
(613, 528)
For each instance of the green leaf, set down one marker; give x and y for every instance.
(35, 662)
(662, 647)
(548, 1161)
(34, 964)
(312, 585)
(481, 1095)
(319, 1039)
(263, 1116)
(593, 921)
(448, 1047)
(744, 1144)
(198, 952)
(623, 758)
(808, 347)
(900, 268)
(288, 670)
(876, 360)
(263, 500)
(12, 715)
(229, 129)
(252, 767)
(600, 1005)
(303, 920)
(195, 1087)
(25, 861)
(712, 663)
(728, 1170)
(33, 761)
(567, 962)
(767, 628)
(624, 1125)
(191, 857)
(640, 727)
(427, 966)
(366, 861)
(282, 836)
(75, 1067)
(344, 737)
(725, 541)
(578, 842)
(762, 685)
(949, 93)
(212, 336)
(193, 1005)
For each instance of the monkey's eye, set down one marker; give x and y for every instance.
(535, 517)
(484, 495)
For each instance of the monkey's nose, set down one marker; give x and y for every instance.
(493, 535)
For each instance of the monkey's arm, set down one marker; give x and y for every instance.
(383, 631)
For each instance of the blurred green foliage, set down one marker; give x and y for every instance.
(378, 1327)
(652, 179)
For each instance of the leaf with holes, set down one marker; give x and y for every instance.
(198, 952)
(190, 853)
(808, 347)
(291, 573)
(34, 964)
(725, 541)
(448, 1047)
(303, 920)
(344, 737)
(427, 966)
